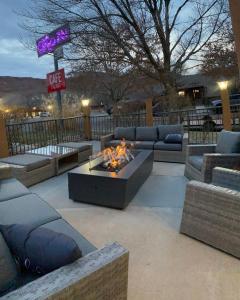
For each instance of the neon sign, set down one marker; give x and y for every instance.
(49, 42)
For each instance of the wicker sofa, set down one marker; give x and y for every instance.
(151, 138)
(211, 211)
(99, 274)
(202, 159)
(30, 169)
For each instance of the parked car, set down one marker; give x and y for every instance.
(44, 114)
(234, 102)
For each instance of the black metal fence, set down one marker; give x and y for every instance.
(202, 126)
(30, 135)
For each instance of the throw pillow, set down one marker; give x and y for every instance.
(173, 138)
(40, 250)
(8, 268)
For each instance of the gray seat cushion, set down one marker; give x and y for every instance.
(8, 269)
(63, 227)
(164, 130)
(11, 188)
(27, 209)
(79, 146)
(127, 133)
(144, 145)
(30, 161)
(167, 147)
(196, 161)
(228, 142)
(114, 143)
(146, 134)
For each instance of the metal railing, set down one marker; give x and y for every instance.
(30, 135)
(202, 126)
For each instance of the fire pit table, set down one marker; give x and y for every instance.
(90, 184)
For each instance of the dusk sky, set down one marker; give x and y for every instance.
(15, 59)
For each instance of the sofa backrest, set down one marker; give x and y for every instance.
(164, 130)
(228, 142)
(146, 134)
(127, 133)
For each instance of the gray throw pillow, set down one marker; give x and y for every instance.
(40, 250)
(173, 139)
(8, 268)
(228, 142)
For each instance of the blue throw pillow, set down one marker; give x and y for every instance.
(173, 138)
(40, 250)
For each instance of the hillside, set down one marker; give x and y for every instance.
(20, 90)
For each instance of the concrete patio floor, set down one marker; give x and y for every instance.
(164, 265)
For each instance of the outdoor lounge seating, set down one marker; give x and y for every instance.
(99, 274)
(30, 169)
(151, 138)
(201, 159)
(211, 211)
(84, 149)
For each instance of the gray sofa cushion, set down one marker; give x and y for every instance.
(28, 209)
(146, 134)
(144, 145)
(114, 143)
(79, 146)
(167, 147)
(228, 142)
(30, 161)
(164, 130)
(11, 188)
(8, 269)
(196, 161)
(127, 133)
(63, 227)
(173, 138)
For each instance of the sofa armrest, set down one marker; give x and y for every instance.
(200, 149)
(185, 141)
(212, 160)
(102, 274)
(105, 139)
(5, 171)
(226, 178)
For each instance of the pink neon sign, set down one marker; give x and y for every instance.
(49, 42)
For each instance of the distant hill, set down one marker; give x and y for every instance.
(21, 90)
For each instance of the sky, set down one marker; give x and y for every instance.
(15, 59)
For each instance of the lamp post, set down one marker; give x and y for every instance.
(86, 119)
(227, 122)
(234, 10)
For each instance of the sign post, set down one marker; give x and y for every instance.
(52, 43)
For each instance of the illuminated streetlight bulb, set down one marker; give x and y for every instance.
(223, 85)
(34, 108)
(85, 102)
(49, 107)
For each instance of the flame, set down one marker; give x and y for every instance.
(115, 157)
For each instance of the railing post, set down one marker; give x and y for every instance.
(87, 123)
(57, 133)
(149, 113)
(4, 152)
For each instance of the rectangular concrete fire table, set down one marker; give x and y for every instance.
(90, 185)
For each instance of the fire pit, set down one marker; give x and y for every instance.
(112, 178)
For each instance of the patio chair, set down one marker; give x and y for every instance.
(202, 159)
(211, 211)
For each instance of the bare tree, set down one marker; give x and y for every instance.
(219, 58)
(157, 37)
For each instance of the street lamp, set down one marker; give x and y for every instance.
(223, 85)
(227, 118)
(85, 102)
(49, 107)
(86, 119)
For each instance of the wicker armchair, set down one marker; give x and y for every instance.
(211, 211)
(101, 275)
(202, 159)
